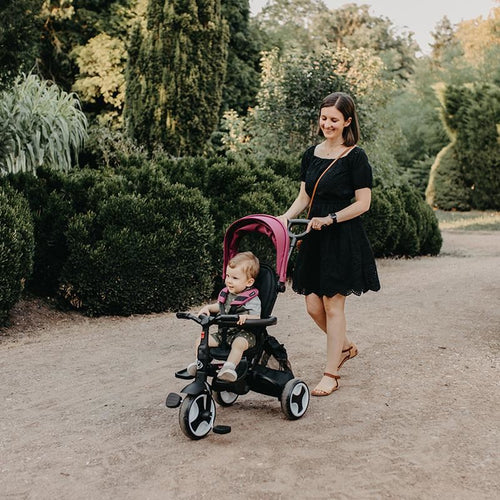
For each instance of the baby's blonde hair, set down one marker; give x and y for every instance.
(248, 261)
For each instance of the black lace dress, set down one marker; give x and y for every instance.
(337, 258)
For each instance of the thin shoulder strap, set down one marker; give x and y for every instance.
(321, 176)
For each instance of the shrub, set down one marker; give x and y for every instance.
(16, 248)
(41, 125)
(446, 188)
(140, 254)
(54, 197)
(400, 222)
(431, 239)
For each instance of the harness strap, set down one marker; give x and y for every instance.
(244, 297)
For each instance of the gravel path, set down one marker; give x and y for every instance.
(82, 412)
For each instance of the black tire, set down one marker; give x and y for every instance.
(295, 399)
(197, 415)
(224, 398)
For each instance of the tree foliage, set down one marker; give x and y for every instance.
(175, 74)
(243, 61)
(20, 36)
(309, 26)
(101, 80)
(467, 173)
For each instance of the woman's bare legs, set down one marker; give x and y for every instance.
(328, 313)
(316, 310)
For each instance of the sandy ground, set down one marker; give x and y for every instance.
(82, 412)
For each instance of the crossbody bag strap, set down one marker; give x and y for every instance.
(321, 176)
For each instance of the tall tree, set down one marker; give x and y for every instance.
(69, 25)
(20, 28)
(243, 60)
(287, 23)
(353, 26)
(444, 38)
(175, 75)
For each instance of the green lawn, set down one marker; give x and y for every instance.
(469, 221)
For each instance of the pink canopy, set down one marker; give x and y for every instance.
(259, 223)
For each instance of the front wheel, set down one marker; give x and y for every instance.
(295, 399)
(197, 415)
(225, 398)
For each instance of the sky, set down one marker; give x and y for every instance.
(419, 16)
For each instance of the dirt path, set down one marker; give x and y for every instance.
(82, 412)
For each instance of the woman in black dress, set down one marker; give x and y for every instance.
(335, 258)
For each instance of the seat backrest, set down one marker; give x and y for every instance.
(267, 284)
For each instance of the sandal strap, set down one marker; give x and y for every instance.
(331, 375)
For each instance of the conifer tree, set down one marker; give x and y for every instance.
(175, 75)
(243, 61)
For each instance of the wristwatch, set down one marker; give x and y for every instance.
(334, 217)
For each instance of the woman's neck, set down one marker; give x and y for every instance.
(329, 149)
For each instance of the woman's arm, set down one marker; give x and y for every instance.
(300, 204)
(363, 198)
(361, 205)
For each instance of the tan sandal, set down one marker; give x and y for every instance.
(321, 392)
(351, 353)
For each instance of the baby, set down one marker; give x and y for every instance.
(238, 297)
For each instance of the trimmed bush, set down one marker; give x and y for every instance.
(140, 254)
(446, 188)
(400, 222)
(16, 248)
(466, 173)
(54, 197)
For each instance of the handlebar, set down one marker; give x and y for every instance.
(227, 320)
(297, 222)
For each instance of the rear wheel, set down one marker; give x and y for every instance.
(197, 415)
(225, 398)
(295, 399)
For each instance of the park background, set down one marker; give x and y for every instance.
(133, 132)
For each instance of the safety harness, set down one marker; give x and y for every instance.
(244, 297)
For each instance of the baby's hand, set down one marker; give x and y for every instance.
(242, 318)
(204, 310)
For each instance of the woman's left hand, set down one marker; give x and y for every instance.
(319, 222)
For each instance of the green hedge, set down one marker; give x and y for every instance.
(140, 254)
(148, 237)
(401, 223)
(16, 248)
(54, 197)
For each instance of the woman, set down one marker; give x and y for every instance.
(335, 258)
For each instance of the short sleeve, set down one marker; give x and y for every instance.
(362, 176)
(306, 161)
(253, 307)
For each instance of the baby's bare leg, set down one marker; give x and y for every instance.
(238, 347)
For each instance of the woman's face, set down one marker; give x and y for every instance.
(332, 122)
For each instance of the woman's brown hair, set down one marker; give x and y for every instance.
(345, 104)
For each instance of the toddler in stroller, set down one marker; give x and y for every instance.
(264, 365)
(238, 297)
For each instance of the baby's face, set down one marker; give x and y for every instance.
(236, 279)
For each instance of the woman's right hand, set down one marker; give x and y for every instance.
(283, 219)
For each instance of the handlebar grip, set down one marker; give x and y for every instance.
(182, 315)
(298, 222)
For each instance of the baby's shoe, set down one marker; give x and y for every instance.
(193, 368)
(228, 372)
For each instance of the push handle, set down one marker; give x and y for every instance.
(297, 222)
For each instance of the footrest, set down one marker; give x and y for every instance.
(183, 374)
(221, 429)
(173, 400)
